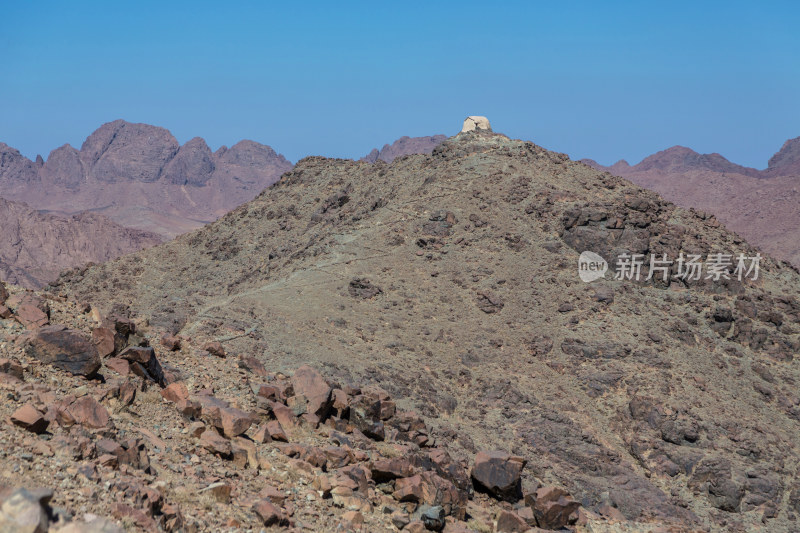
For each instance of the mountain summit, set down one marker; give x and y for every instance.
(451, 281)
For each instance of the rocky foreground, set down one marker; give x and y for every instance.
(109, 426)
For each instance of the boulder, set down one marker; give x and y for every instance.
(30, 316)
(389, 469)
(213, 442)
(103, 339)
(214, 348)
(554, 508)
(269, 513)
(89, 413)
(25, 511)
(498, 473)
(510, 522)
(171, 342)
(144, 363)
(28, 417)
(67, 349)
(310, 384)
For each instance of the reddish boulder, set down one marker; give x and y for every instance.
(310, 384)
(389, 469)
(9, 366)
(269, 513)
(118, 365)
(430, 489)
(554, 508)
(499, 474)
(214, 348)
(248, 362)
(31, 316)
(270, 431)
(215, 443)
(63, 348)
(178, 394)
(3, 293)
(28, 417)
(89, 413)
(5, 312)
(511, 522)
(234, 422)
(283, 414)
(171, 342)
(103, 339)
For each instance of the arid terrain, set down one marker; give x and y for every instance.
(35, 247)
(446, 284)
(760, 205)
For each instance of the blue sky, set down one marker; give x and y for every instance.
(605, 80)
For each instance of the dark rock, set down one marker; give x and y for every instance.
(63, 348)
(363, 289)
(499, 474)
(144, 363)
(554, 508)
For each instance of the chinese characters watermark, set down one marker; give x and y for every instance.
(688, 267)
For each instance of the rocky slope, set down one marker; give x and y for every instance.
(450, 281)
(174, 435)
(761, 205)
(404, 146)
(140, 177)
(35, 247)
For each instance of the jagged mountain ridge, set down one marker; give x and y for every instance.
(404, 146)
(761, 205)
(451, 280)
(139, 176)
(35, 247)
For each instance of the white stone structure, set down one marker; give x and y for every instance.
(476, 123)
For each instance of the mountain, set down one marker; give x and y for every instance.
(404, 146)
(139, 176)
(761, 205)
(451, 282)
(35, 247)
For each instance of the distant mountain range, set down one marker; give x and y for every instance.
(404, 146)
(141, 177)
(761, 205)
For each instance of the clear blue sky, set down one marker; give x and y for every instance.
(605, 80)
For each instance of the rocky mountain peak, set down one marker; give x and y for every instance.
(787, 159)
(432, 276)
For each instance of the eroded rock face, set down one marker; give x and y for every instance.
(63, 348)
(36, 246)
